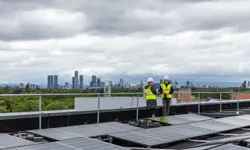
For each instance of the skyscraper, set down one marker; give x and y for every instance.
(94, 80)
(121, 83)
(76, 79)
(81, 81)
(73, 82)
(52, 81)
(49, 81)
(55, 81)
(98, 82)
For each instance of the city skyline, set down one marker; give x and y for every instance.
(194, 39)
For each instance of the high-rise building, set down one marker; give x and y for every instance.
(55, 83)
(49, 81)
(98, 82)
(52, 82)
(81, 81)
(94, 81)
(66, 85)
(121, 83)
(73, 82)
(76, 79)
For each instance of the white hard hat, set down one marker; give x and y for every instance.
(150, 80)
(166, 78)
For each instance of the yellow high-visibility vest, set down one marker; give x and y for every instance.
(166, 89)
(149, 94)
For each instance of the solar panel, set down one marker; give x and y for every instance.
(193, 117)
(55, 134)
(48, 146)
(180, 119)
(235, 121)
(219, 147)
(229, 147)
(150, 137)
(90, 130)
(91, 144)
(8, 141)
(190, 131)
(215, 125)
(135, 137)
(170, 120)
(247, 117)
(75, 144)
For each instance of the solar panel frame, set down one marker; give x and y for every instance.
(8, 141)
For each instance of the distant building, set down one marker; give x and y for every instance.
(76, 80)
(49, 82)
(98, 82)
(81, 81)
(56, 81)
(73, 82)
(93, 81)
(121, 83)
(52, 81)
(66, 85)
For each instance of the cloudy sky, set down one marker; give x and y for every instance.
(196, 39)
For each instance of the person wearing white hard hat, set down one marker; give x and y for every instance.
(151, 101)
(166, 90)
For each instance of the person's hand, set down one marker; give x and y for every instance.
(166, 93)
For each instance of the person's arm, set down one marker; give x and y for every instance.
(171, 90)
(152, 88)
(160, 90)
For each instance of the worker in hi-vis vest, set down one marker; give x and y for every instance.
(166, 90)
(150, 92)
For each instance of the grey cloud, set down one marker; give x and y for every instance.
(117, 17)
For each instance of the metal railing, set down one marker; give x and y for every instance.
(138, 95)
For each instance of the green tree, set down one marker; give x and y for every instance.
(27, 88)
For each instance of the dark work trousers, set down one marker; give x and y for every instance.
(166, 106)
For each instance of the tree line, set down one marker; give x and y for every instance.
(25, 103)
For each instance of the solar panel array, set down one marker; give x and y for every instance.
(91, 130)
(181, 119)
(74, 144)
(8, 141)
(76, 137)
(163, 135)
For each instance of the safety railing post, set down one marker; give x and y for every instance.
(238, 101)
(137, 107)
(220, 102)
(98, 108)
(199, 104)
(40, 112)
